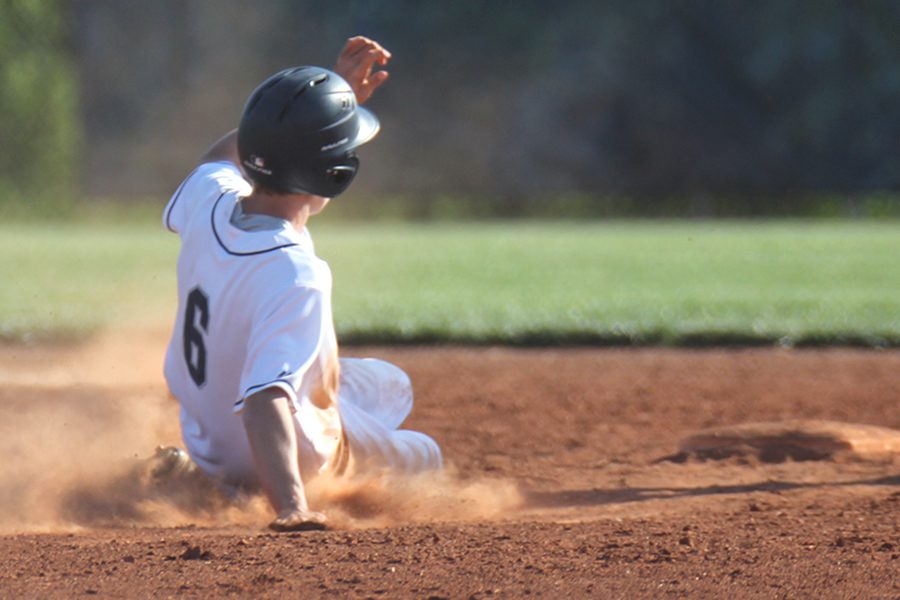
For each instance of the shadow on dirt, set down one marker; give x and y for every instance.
(599, 497)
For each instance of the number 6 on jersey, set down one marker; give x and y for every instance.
(194, 346)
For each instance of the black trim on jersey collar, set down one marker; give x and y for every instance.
(212, 222)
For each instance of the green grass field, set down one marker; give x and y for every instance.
(686, 283)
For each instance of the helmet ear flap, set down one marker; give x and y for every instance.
(342, 175)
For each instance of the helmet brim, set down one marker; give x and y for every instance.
(369, 126)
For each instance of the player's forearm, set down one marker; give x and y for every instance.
(225, 148)
(273, 442)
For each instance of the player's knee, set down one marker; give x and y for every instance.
(392, 381)
(393, 373)
(421, 451)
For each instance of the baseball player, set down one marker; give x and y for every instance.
(253, 360)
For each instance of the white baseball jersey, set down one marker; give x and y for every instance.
(254, 311)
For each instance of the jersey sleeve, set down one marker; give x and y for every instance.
(284, 343)
(202, 187)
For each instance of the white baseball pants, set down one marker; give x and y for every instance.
(374, 398)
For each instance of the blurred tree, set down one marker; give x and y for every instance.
(704, 106)
(38, 103)
(757, 100)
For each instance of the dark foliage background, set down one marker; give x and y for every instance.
(658, 107)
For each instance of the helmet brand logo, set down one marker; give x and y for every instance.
(258, 164)
(334, 145)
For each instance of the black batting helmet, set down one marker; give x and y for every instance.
(299, 130)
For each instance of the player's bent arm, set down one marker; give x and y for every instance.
(273, 442)
(225, 148)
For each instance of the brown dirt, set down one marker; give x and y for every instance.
(556, 488)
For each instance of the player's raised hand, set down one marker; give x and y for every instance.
(355, 64)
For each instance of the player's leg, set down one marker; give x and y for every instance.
(378, 388)
(374, 399)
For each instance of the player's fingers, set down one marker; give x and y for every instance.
(378, 55)
(369, 50)
(307, 521)
(383, 54)
(360, 69)
(286, 527)
(353, 70)
(366, 59)
(377, 78)
(354, 44)
(362, 46)
(368, 87)
(354, 50)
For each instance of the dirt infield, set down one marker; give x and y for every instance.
(560, 486)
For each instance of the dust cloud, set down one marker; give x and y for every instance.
(55, 441)
(76, 418)
(78, 429)
(383, 500)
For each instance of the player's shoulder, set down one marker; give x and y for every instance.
(223, 173)
(307, 270)
(294, 266)
(207, 182)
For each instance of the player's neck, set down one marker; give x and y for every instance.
(296, 209)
